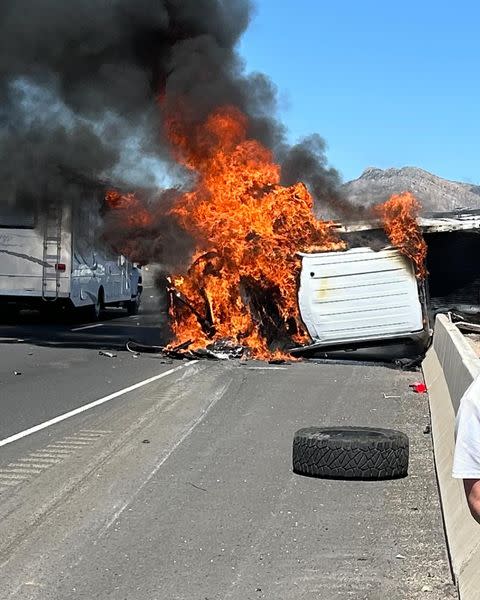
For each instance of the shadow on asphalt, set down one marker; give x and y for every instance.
(104, 340)
(111, 333)
(402, 356)
(115, 331)
(55, 330)
(61, 316)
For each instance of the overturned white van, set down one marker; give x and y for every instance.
(360, 298)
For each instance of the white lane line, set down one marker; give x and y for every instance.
(19, 471)
(85, 407)
(95, 431)
(45, 456)
(77, 445)
(87, 327)
(64, 445)
(28, 468)
(40, 460)
(32, 465)
(82, 439)
(55, 450)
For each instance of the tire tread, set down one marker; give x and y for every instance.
(353, 456)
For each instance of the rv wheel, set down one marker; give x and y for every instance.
(133, 306)
(350, 453)
(95, 310)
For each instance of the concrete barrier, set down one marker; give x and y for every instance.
(449, 368)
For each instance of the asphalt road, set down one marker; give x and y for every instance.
(53, 366)
(182, 489)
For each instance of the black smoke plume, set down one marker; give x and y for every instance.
(80, 84)
(306, 161)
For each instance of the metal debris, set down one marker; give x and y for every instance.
(409, 364)
(106, 353)
(196, 486)
(205, 321)
(467, 327)
(226, 349)
(468, 321)
(218, 350)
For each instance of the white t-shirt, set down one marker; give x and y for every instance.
(466, 461)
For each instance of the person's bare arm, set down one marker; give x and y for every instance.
(472, 491)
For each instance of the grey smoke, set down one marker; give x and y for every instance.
(80, 84)
(162, 238)
(306, 161)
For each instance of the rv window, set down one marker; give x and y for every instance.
(17, 217)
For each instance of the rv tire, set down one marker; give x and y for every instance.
(95, 310)
(133, 305)
(350, 453)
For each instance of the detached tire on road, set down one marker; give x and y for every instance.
(350, 453)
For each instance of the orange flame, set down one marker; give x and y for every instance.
(399, 215)
(242, 283)
(249, 230)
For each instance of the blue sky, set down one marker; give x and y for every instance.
(387, 84)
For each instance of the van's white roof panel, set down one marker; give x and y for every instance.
(359, 295)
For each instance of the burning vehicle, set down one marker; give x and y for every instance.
(269, 280)
(257, 243)
(450, 281)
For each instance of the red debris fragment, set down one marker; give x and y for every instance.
(418, 387)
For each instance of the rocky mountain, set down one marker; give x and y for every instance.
(435, 193)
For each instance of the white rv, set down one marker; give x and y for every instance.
(56, 257)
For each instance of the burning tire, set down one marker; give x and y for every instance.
(350, 453)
